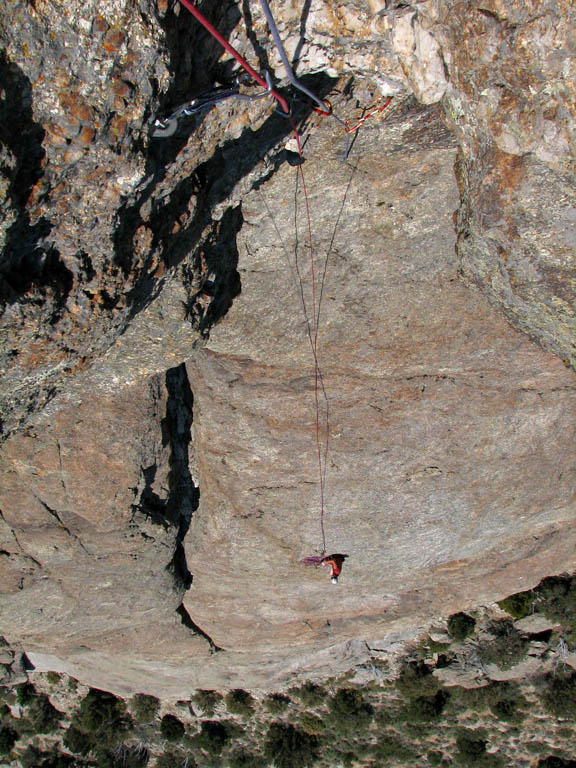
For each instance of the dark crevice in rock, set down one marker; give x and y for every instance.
(29, 261)
(20, 547)
(61, 524)
(217, 264)
(184, 496)
(212, 183)
(149, 503)
(187, 621)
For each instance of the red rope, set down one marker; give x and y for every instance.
(284, 104)
(225, 44)
(315, 355)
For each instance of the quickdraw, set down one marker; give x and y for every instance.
(167, 126)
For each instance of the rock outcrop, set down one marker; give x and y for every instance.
(159, 478)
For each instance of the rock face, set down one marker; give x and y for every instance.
(160, 478)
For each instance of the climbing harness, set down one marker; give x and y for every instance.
(165, 127)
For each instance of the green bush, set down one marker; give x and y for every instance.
(207, 701)
(8, 737)
(77, 741)
(390, 748)
(557, 601)
(507, 707)
(103, 717)
(519, 605)
(53, 677)
(559, 694)
(416, 679)
(503, 699)
(311, 723)
(242, 758)
(434, 758)
(423, 708)
(35, 758)
(144, 707)
(239, 702)
(212, 737)
(289, 747)
(461, 626)
(471, 746)
(25, 693)
(505, 646)
(42, 715)
(175, 759)
(276, 703)
(556, 762)
(310, 694)
(171, 728)
(349, 711)
(133, 756)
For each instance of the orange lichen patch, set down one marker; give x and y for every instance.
(142, 239)
(159, 270)
(113, 39)
(40, 353)
(499, 186)
(120, 88)
(35, 193)
(99, 25)
(73, 104)
(55, 134)
(162, 6)
(86, 136)
(118, 126)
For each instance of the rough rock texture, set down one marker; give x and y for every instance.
(159, 477)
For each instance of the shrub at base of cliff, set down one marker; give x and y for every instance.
(35, 758)
(239, 702)
(559, 694)
(144, 708)
(471, 747)
(390, 748)
(38, 711)
(519, 605)
(171, 728)
(175, 759)
(289, 747)
(212, 738)
(556, 762)
(310, 694)
(207, 701)
(349, 712)
(242, 758)
(460, 626)
(557, 601)
(416, 679)
(130, 756)
(276, 703)
(103, 719)
(77, 741)
(503, 699)
(426, 708)
(505, 646)
(311, 723)
(8, 737)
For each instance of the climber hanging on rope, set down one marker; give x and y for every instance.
(335, 562)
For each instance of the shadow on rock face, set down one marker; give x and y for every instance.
(29, 261)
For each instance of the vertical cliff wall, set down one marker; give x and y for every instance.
(159, 478)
